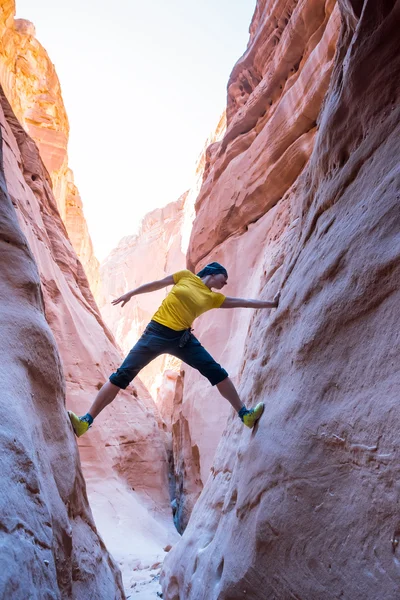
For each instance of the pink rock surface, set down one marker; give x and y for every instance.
(305, 506)
(31, 85)
(236, 212)
(153, 253)
(124, 458)
(50, 547)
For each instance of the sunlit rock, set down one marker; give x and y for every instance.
(30, 82)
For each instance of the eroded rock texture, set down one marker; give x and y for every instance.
(50, 547)
(124, 457)
(240, 220)
(31, 85)
(124, 460)
(306, 506)
(274, 97)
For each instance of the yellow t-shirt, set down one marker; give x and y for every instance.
(188, 299)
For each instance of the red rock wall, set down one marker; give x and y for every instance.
(46, 524)
(240, 221)
(270, 136)
(124, 456)
(31, 85)
(124, 459)
(305, 506)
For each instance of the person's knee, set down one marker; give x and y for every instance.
(112, 390)
(121, 378)
(224, 379)
(217, 376)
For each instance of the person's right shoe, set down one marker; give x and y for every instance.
(251, 417)
(79, 424)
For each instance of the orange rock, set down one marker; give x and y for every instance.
(254, 163)
(32, 87)
(270, 137)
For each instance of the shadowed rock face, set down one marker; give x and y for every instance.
(50, 547)
(306, 506)
(274, 98)
(240, 221)
(123, 457)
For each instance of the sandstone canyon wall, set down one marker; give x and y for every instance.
(50, 547)
(123, 457)
(274, 98)
(31, 85)
(303, 194)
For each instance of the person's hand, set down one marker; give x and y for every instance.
(124, 299)
(276, 299)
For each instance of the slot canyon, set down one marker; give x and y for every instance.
(168, 495)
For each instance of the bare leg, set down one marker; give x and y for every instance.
(105, 396)
(228, 391)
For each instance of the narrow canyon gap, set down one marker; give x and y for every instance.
(298, 188)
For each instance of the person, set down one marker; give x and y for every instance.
(169, 331)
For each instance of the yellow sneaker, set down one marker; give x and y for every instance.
(79, 425)
(253, 414)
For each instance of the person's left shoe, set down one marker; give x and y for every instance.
(251, 417)
(79, 424)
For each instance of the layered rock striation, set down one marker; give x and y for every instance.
(50, 547)
(124, 459)
(31, 85)
(274, 98)
(305, 506)
(243, 218)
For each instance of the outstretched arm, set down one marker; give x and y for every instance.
(243, 303)
(143, 289)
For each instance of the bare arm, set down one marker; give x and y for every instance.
(247, 303)
(143, 289)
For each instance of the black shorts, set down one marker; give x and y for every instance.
(158, 339)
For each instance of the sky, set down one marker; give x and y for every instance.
(144, 83)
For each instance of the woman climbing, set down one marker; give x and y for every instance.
(169, 332)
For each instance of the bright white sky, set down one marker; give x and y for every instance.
(144, 83)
